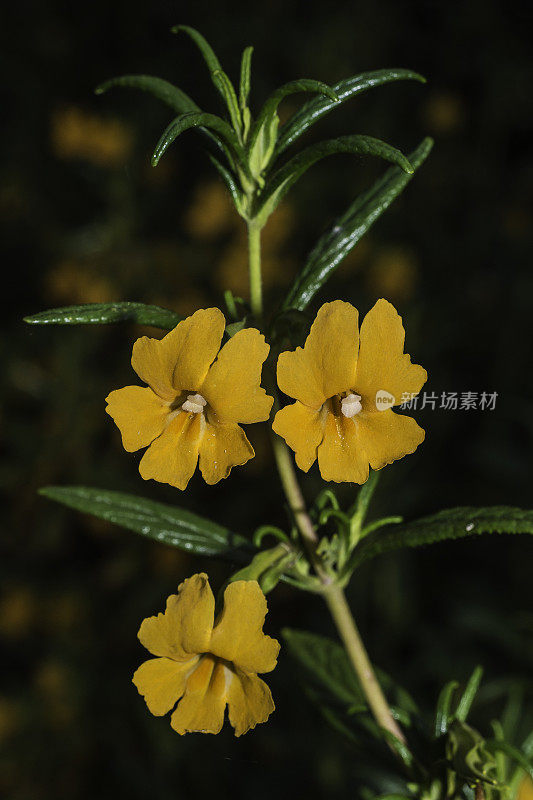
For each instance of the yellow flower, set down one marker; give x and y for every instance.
(205, 663)
(525, 790)
(193, 403)
(345, 384)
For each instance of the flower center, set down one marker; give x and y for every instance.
(194, 403)
(351, 405)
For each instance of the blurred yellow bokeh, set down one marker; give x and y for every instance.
(71, 281)
(77, 134)
(444, 112)
(393, 274)
(211, 212)
(18, 611)
(10, 718)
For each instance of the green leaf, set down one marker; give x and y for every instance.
(465, 703)
(271, 105)
(335, 245)
(163, 90)
(99, 313)
(266, 567)
(162, 523)
(284, 178)
(399, 747)
(453, 523)
(228, 92)
(246, 70)
(196, 120)
(326, 662)
(443, 713)
(231, 184)
(469, 754)
(218, 76)
(512, 753)
(213, 64)
(357, 513)
(333, 718)
(344, 90)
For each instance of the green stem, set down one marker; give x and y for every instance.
(351, 638)
(293, 493)
(333, 594)
(254, 265)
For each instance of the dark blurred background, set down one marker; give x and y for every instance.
(84, 218)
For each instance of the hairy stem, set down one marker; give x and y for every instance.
(353, 644)
(254, 266)
(293, 493)
(333, 594)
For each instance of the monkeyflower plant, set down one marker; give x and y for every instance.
(337, 401)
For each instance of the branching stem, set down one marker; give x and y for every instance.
(333, 594)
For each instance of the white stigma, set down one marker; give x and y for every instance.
(194, 403)
(351, 405)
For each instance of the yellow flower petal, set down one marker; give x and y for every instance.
(341, 456)
(382, 364)
(161, 682)
(202, 707)
(173, 456)
(180, 360)
(249, 702)
(525, 790)
(386, 436)
(223, 447)
(326, 365)
(232, 387)
(238, 633)
(302, 429)
(185, 627)
(139, 414)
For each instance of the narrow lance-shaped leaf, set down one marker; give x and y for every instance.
(315, 109)
(293, 87)
(512, 753)
(443, 713)
(336, 243)
(327, 664)
(231, 184)
(282, 180)
(221, 81)
(163, 523)
(454, 523)
(228, 92)
(203, 46)
(163, 90)
(100, 313)
(326, 661)
(195, 120)
(465, 703)
(246, 70)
